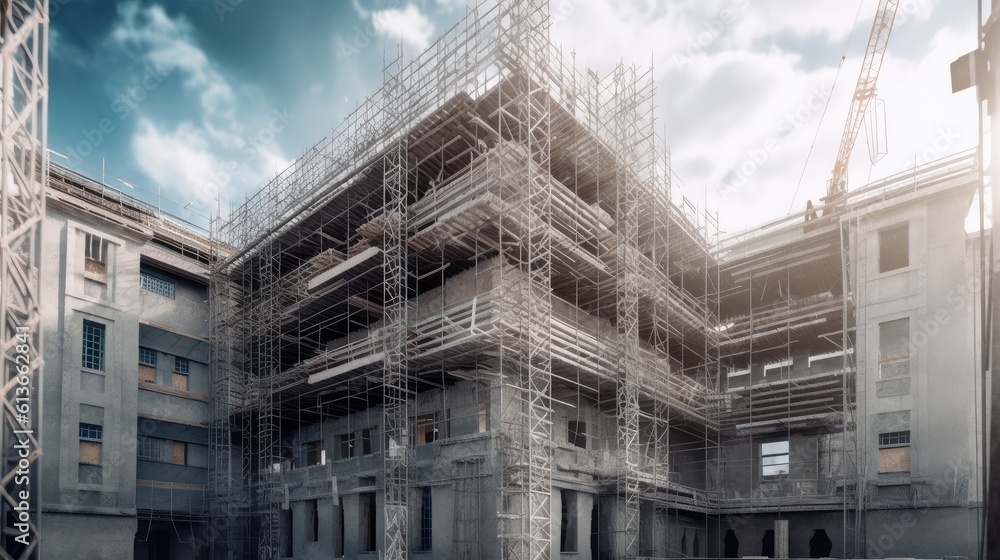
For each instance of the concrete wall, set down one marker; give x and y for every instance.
(81, 501)
(938, 399)
(87, 537)
(103, 501)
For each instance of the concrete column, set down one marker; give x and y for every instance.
(781, 538)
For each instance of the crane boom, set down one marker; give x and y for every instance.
(864, 92)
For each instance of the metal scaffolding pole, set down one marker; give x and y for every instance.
(24, 165)
(395, 386)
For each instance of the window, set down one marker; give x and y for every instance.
(774, 458)
(894, 248)
(345, 446)
(426, 511)
(578, 433)
(147, 356)
(182, 365)
(147, 365)
(568, 521)
(894, 452)
(179, 455)
(366, 441)
(91, 436)
(95, 265)
(894, 438)
(894, 349)
(367, 518)
(156, 285)
(92, 432)
(427, 428)
(149, 449)
(314, 453)
(93, 345)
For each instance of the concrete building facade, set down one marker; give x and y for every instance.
(478, 323)
(126, 400)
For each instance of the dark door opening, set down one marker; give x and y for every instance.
(767, 548)
(731, 545)
(820, 545)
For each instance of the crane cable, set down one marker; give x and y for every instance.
(819, 126)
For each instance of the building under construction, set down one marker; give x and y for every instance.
(477, 322)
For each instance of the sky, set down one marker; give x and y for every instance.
(195, 104)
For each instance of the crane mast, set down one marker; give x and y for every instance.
(864, 92)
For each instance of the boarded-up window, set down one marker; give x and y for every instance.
(95, 266)
(179, 453)
(147, 365)
(90, 452)
(894, 459)
(180, 381)
(894, 452)
(894, 348)
(894, 248)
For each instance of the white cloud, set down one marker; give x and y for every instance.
(204, 156)
(177, 159)
(169, 45)
(451, 5)
(730, 73)
(408, 25)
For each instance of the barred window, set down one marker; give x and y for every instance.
(156, 285)
(91, 432)
(93, 345)
(894, 438)
(95, 263)
(182, 365)
(149, 449)
(96, 248)
(147, 356)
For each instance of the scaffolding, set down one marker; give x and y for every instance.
(23, 88)
(490, 246)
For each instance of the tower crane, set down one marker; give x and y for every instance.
(864, 92)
